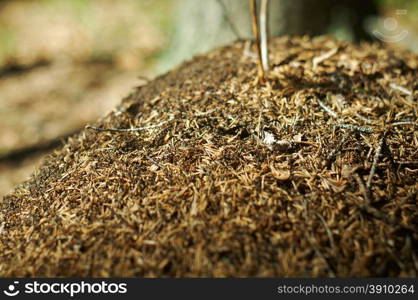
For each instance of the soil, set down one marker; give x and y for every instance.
(204, 172)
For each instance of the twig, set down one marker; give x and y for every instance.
(354, 128)
(264, 35)
(256, 33)
(132, 129)
(328, 110)
(366, 207)
(400, 89)
(376, 159)
(318, 59)
(155, 162)
(229, 21)
(363, 189)
(374, 212)
(400, 123)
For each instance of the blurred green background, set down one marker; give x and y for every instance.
(35, 29)
(38, 29)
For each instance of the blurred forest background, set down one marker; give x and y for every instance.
(66, 63)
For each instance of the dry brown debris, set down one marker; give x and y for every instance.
(236, 179)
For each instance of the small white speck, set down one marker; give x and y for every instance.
(269, 138)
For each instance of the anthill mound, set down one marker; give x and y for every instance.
(313, 174)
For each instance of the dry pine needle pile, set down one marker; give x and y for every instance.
(203, 172)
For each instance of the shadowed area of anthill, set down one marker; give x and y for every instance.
(313, 174)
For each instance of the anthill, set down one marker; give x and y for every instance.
(203, 172)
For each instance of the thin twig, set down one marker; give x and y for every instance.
(401, 123)
(229, 21)
(256, 33)
(264, 35)
(374, 212)
(376, 159)
(363, 189)
(132, 129)
(366, 205)
(318, 59)
(328, 110)
(400, 89)
(354, 128)
(155, 162)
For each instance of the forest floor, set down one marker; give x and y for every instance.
(204, 172)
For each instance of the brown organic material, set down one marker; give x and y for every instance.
(227, 178)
